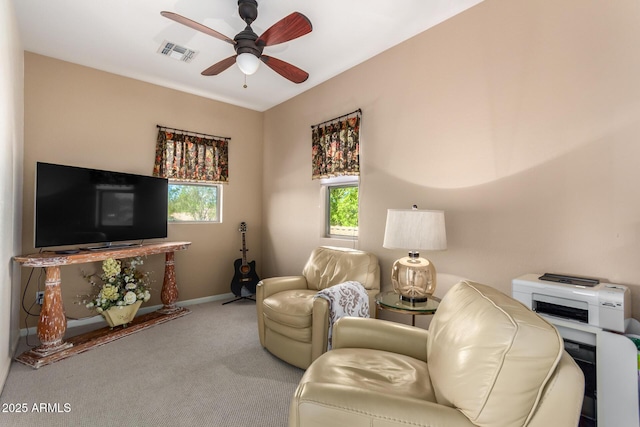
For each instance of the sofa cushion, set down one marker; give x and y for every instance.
(298, 334)
(373, 370)
(291, 308)
(480, 356)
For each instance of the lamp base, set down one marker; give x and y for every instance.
(413, 300)
(413, 278)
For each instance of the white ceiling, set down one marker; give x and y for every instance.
(123, 36)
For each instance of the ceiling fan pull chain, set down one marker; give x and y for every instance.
(245, 82)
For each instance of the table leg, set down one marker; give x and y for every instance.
(52, 323)
(169, 294)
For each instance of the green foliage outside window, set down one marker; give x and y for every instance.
(189, 202)
(343, 210)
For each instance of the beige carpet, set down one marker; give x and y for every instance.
(203, 369)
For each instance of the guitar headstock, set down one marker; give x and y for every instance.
(243, 227)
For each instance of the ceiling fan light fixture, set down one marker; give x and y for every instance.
(248, 63)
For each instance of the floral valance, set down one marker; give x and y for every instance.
(189, 156)
(335, 146)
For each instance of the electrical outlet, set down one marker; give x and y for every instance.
(39, 297)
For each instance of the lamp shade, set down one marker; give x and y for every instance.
(415, 229)
(248, 63)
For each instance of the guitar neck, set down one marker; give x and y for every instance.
(244, 250)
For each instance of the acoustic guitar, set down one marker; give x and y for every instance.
(245, 276)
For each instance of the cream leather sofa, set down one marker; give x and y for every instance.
(292, 324)
(486, 360)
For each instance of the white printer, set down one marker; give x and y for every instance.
(603, 305)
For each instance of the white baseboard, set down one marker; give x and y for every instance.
(72, 323)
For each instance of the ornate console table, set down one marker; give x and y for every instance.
(52, 324)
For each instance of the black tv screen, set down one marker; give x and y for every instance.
(78, 206)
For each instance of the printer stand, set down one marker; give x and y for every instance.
(616, 369)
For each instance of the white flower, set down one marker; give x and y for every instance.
(130, 298)
(99, 309)
(147, 296)
(130, 286)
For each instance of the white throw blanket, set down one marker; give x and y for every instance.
(345, 299)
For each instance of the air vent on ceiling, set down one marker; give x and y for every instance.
(174, 51)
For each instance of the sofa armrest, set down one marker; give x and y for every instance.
(273, 285)
(320, 327)
(358, 332)
(270, 286)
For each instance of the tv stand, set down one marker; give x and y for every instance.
(52, 324)
(112, 246)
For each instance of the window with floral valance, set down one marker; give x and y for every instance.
(335, 147)
(189, 156)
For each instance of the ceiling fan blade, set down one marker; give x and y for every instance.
(286, 70)
(288, 28)
(196, 26)
(219, 67)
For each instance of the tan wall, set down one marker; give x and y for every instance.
(83, 117)
(519, 118)
(11, 151)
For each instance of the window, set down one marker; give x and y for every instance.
(190, 202)
(342, 210)
(335, 161)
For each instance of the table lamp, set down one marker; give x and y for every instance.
(413, 277)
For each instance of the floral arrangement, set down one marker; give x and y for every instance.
(120, 284)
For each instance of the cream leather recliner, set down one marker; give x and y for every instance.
(292, 324)
(486, 360)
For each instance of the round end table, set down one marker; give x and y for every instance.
(392, 302)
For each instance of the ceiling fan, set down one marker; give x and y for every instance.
(249, 46)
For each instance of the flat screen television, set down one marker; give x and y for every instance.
(75, 206)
